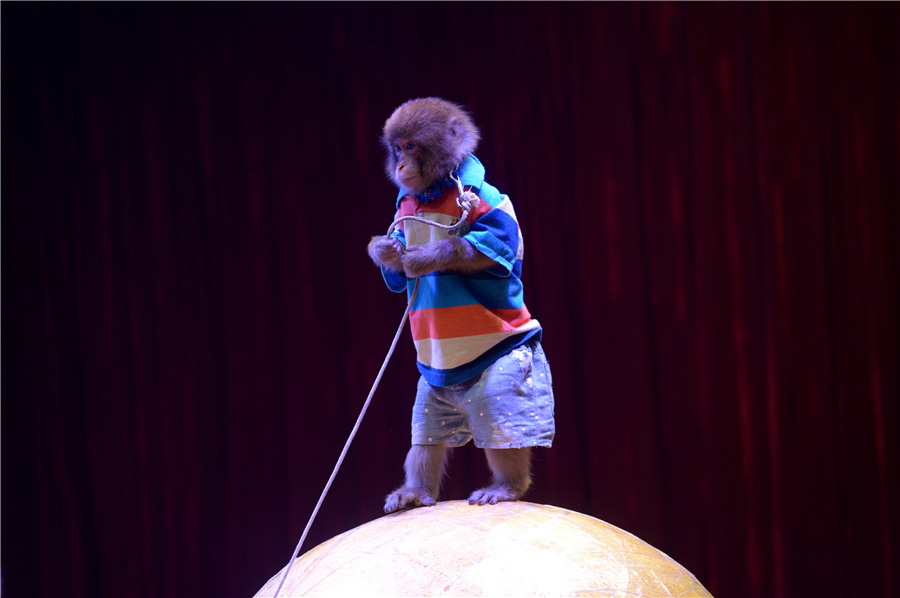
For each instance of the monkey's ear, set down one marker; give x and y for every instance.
(453, 127)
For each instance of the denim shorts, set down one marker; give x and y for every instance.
(508, 405)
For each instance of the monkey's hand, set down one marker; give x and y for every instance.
(386, 252)
(456, 255)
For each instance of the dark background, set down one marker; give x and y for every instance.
(709, 197)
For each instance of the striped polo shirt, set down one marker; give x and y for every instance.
(462, 323)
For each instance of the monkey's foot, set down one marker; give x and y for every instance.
(494, 494)
(407, 497)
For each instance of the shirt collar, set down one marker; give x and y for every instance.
(470, 173)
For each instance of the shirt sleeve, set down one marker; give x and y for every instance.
(496, 235)
(395, 281)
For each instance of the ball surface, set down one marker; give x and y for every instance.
(508, 549)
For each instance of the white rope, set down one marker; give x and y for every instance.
(467, 201)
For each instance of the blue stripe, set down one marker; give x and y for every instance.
(452, 290)
(490, 194)
(394, 280)
(496, 235)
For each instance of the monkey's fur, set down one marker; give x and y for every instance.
(444, 131)
(426, 139)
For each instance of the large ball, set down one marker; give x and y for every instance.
(509, 549)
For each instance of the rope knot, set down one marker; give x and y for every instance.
(468, 201)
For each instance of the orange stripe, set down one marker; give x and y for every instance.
(464, 320)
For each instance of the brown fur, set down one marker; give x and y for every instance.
(386, 252)
(455, 255)
(511, 470)
(445, 132)
(425, 466)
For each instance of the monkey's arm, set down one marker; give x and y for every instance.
(386, 252)
(455, 255)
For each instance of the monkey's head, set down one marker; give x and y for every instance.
(425, 140)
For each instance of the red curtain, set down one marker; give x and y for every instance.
(709, 198)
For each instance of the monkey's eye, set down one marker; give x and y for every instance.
(398, 148)
(410, 145)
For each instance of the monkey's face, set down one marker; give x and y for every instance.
(408, 173)
(425, 140)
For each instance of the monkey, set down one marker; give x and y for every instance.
(484, 376)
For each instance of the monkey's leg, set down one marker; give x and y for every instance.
(424, 468)
(512, 476)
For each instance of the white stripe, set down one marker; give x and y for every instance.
(418, 233)
(449, 353)
(506, 206)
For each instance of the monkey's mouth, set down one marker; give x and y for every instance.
(406, 181)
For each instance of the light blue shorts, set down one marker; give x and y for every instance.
(508, 405)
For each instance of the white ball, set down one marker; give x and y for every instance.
(508, 549)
